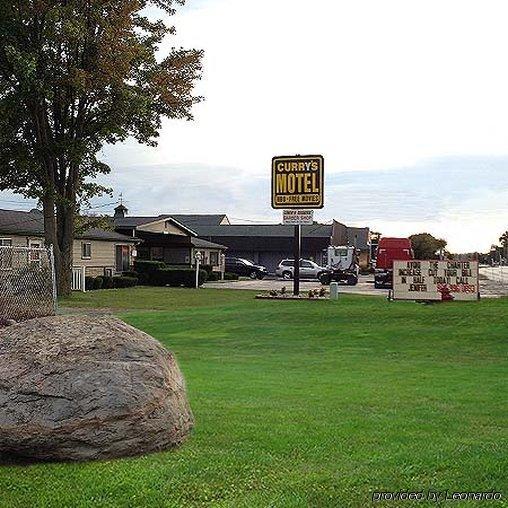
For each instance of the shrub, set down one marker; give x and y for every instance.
(124, 282)
(207, 268)
(147, 266)
(230, 276)
(98, 283)
(213, 276)
(131, 274)
(89, 283)
(107, 282)
(177, 277)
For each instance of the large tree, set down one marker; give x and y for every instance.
(504, 243)
(425, 246)
(76, 75)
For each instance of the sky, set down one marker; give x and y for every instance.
(406, 100)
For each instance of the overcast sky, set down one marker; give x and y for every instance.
(406, 100)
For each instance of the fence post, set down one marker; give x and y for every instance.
(53, 276)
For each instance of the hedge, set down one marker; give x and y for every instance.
(147, 266)
(124, 282)
(230, 276)
(213, 276)
(104, 282)
(176, 277)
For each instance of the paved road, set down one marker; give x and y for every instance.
(488, 288)
(365, 285)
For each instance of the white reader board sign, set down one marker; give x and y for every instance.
(297, 217)
(435, 280)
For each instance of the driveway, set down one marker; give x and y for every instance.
(365, 285)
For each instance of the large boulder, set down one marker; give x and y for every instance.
(82, 387)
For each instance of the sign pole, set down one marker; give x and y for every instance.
(297, 255)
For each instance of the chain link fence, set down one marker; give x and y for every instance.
(27, 283)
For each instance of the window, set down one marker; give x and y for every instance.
(306, 264)
(35, 255)
(86, 250)
(214, 258)
(5, 242)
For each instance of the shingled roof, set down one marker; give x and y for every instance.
(263, 230)
(188, 220)
(15, 222)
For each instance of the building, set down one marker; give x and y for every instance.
(268, 244)
(174, 239)
(96, 251)
(167, 238)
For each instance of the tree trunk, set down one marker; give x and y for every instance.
(65, 234)
(59, 232)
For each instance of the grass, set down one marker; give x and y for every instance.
(303, 404)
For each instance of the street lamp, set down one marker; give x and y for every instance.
(197, 257)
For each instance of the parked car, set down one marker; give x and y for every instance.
(244, 267)
(308, 269)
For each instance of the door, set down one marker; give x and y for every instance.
(306, 270)
(122, 258)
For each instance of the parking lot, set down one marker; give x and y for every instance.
(365, 285)
(488, 288)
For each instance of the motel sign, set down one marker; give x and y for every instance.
(297, 182)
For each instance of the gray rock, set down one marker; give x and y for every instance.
(82, 387)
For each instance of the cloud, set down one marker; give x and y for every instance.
(464, 199)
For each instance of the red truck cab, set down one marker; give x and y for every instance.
(388, 251)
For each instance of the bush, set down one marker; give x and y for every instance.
(147, 266)
(98, 283)
(230, 276)
(89, 283)
(131, 274)
(107, 282)
(213, 276)
(207, 268)
(124, 282)
(177, 277)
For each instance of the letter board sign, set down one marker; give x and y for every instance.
(435, 280)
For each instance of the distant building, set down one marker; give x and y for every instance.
(167, 238)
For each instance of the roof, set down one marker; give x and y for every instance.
(358, 237)
(200, 243)
(264, 230)
(102, 234)
(187, 220)
(15, 222)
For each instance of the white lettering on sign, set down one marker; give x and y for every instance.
(435, 280)
(297, 217)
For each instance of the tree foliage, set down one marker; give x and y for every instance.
(426, 246)
(76, 75)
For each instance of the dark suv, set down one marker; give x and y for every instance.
(245, 267)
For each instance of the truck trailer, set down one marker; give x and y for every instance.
(388, 251)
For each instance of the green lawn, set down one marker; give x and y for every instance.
(303, 404)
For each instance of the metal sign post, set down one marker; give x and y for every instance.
(297, 188)
(297, 255)
(197, 256)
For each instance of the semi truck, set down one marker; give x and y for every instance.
(388, 251)
(342, 266)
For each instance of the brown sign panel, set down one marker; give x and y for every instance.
(298, 181)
